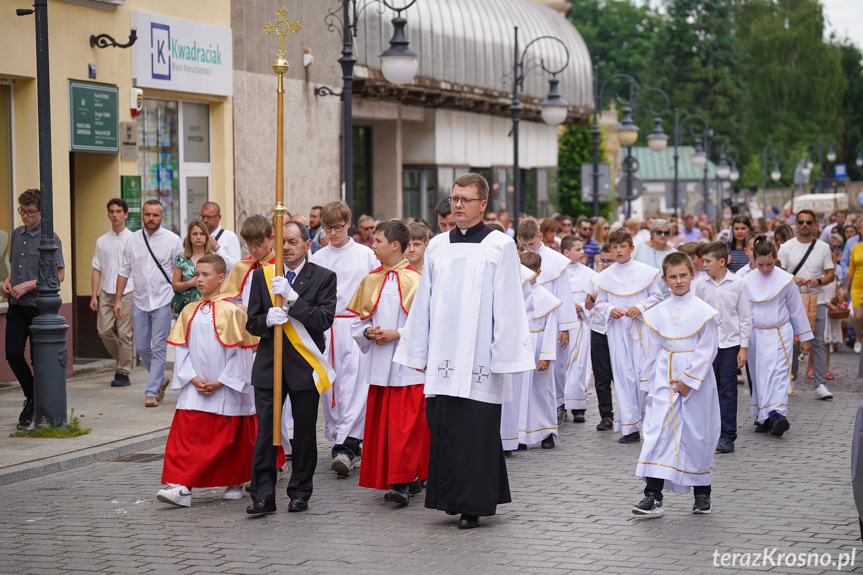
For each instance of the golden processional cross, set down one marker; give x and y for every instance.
(280, 67)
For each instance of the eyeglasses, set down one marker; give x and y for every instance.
(208, 218)
(662, 232)
(367, 228)
(456, 201)
(337, 228)
(805, 222)
(605, 262)
(257, 246)
(28, 213)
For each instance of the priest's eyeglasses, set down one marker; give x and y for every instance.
(463, 201)
(337, 228)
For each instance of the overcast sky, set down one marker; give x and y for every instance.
(845, 17)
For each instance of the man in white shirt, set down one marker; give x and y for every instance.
(147, 260)
(816, 270)
(222, 242)
(116, 334)
(838, 224)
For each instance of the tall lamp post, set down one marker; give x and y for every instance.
(554, 108)
(398, 64)
(657, 141)
(703, 147)
(50, 355)
(774, 156)
(678, 140)
(823, 141)
(724, 170)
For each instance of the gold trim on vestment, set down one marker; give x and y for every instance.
(774, 295)
(685, 337)
(674, 468)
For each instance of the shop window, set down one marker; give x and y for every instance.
(362, 160)
(419, 193)
(7, 220)
(159, 159)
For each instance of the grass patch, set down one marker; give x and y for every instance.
(71, 429)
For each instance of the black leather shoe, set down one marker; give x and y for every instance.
(415, 487)
(548, 442)
(522, 447)
(25, 420)
(298, 504)
(507, 453)
(399, 494)
(468, 522)
(120, 380)
(578, 416)
(262, 506)
(633, 437)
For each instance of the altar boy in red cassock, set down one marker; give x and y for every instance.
(396, 433)
(213, 433)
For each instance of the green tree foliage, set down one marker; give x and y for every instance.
(575, 147)
(852, 113)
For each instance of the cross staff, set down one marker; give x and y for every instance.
(280, 66)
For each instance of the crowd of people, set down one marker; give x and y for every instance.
(436, 357)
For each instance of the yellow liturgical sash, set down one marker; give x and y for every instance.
(298, 335)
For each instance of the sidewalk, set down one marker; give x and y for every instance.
(120, 424)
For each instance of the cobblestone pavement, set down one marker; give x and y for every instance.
(570, 513)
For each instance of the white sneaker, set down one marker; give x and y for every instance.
(821, 392)
(234, 492)
(858, 345)
(342, 465)
(178, 495)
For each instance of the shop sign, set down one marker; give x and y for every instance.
(93, 116)
(130, 190)
(181, 55)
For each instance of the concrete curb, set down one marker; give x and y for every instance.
(104, 452)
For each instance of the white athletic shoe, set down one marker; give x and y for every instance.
(858, 345)
(821, 392)
(342, 465)
(178, 495)
(234, 492)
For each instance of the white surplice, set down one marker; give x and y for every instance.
(623, 286)
(777, 316)
(554, 277)
(345, 402)
(203, 356)
(467, 325)
(578, 352)
(388, 314)
(509, 415)
(538, 410)
(680, 433)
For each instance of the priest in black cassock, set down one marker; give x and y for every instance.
(467, 329)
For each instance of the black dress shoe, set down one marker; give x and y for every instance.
(522, 447)
(578, 416)
(262, 506)
(120, 380)
(25, 420)
(298, 504)
(633, 437)
(507, 453)
(415, 487)
(548, 442)
(468, 522)
(399, 494)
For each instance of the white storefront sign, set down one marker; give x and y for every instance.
(181, 55)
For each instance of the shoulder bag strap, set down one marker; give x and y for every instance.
(806, 255)
(220, 234)
(158, 265)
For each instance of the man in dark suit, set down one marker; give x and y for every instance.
(309, 293)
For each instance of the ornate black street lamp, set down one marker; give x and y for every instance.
(554, 108)
(398, 65)
(774, 156)
(678, 139)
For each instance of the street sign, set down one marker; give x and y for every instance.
(93, 118)
(604, 182)
(841, 171)
(624, 192)
(681, 195)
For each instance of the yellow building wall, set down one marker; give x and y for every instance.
(97, 175)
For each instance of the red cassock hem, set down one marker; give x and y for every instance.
(396, 440)
(208, 449)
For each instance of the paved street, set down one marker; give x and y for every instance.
(571, 513)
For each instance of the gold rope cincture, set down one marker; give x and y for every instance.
(672, 415)
(635, 320)
(574, 355)
(296, 332)
(784, 351)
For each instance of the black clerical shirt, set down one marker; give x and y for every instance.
(473, 235)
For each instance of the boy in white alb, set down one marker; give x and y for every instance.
(212, 435)
(345, 402)
(578, 353)
(396, 434)
(537, 422)
(511, 410)
(681, 420)
(555, 279)
(626, 290)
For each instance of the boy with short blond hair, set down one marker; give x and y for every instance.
(727, 293)
(626, 290)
